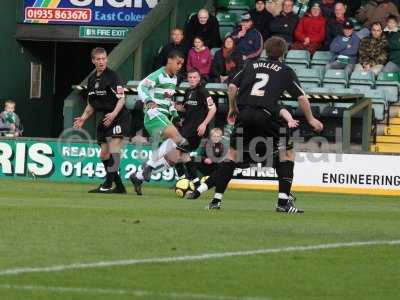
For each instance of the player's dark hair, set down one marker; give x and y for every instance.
(175, 54)
(275, 47)
(98, 50)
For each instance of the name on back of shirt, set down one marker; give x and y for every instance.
(266, 65)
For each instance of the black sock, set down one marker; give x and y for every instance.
(191, 170)
(113, 166)
(285, 176)
(108, 182)
(225, 173)
(180, 169)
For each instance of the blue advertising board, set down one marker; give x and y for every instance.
(126, 13)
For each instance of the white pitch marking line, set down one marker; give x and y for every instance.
(199, 257)
(136, 293)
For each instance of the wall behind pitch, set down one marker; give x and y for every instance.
(37, 114)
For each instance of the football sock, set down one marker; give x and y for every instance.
(285, 177)
(164, 148)
(180, 170)
(218, 196)
(113, 166)
(191, 170)
(108, 182)
(225, 173)
(159, 165)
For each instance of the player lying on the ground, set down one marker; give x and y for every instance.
(198, 110)
(157, 91)
(106, 95)
(258, 88)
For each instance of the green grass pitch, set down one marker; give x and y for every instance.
(148, 245)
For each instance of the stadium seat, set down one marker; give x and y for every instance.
(362, 79)
(309, 78)
(388, 82)
(225, 30)
(130, 101)
(213, 51)
(379, 102)
(225, 17)
(298, 58)
(320, 59)
(238, 11)
(335, 79)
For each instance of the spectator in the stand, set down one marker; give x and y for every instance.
(334, 26)
(226, 61)
(375, 11)
(345, 49)
(248, 39)
(10, 124)
(261, 18)
(285, 24)
(373, 51)
(393, 36)
(328, 8)
(200, 58)
(177, 43)
(274, 7)
(310, 32)
(352, 6)
(205, 26)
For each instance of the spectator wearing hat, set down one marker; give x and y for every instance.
(345, 49)
(310, 32)
(227, 61)
(261, 18)
(248, 39)
(373, 51)
(393, 37)
(334, 26)
(203, 25)
(285, 24)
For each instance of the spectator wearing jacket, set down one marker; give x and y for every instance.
(248, 39)
(226, 61)
(310, 32)
(274, 7)
(393, 36)
(345, 49)
(199, 58)
(285, 24)
(334, 26)
(328, 8)
(203, 25)
(373, 51)
(177, 43)
(376, 11)
(261, 18)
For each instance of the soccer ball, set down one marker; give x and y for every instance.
(183, 186)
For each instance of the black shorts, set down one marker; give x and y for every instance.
(119, 128)
(257, 133)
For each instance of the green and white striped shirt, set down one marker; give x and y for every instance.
(159, 87)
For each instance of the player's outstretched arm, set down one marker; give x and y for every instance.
(306, 108)
(285, 114)
(80, 121)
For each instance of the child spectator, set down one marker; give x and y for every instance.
(393, 36)
(310, 32)
(10, 123)
(200, 58)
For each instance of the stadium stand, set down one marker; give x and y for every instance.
(335, 79)
(320, 59)
(298, 58)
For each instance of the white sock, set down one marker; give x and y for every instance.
(160, 166)
(139, 175)
(196, 180)
(218, 196)
(202, 188)
(164, 148)
(283, 196)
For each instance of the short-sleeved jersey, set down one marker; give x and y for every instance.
(262, 82)
(196, 103)
(103, 90)
(159, 87)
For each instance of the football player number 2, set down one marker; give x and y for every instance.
(259, 86)
(117, 130)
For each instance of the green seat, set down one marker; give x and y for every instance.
(379, 103)
(225, 30)
(360, 78)
(335, 79)
(213, 51)
(130, 101)
(320, 59)
(309, 77)
(222, 3)
(238, 11)
(388, 82)
(226, 17)
(298, 58)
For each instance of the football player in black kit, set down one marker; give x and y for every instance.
(106, 95)
(258, 88)
(199, 109)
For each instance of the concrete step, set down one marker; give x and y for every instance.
(395, 139)
(385, 147)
